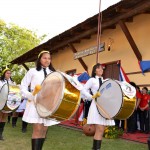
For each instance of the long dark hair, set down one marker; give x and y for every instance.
(3, 76)
(94, 69)
(138, 88)
(133, 84)
(39, 65)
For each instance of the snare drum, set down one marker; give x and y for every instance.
(10, 98)
(58, 98)
(117, 100)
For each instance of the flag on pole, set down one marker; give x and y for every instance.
(83, 77)
(123, 76)
(144, 65)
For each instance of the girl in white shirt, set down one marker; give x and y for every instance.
(94, 117)
(34, 77)
(5, 79)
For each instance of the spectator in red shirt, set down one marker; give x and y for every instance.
(144, 107)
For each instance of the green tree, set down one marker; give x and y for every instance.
(15, 41)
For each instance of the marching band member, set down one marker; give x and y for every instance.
(34, 77)
(5, 78)
(94, 117)
(21, 109)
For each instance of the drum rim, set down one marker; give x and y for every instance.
(121, 100)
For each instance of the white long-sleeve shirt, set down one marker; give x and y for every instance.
(93, 85)
(32, 78)
(5, 81)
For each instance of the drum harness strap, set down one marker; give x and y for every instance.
(100, 83)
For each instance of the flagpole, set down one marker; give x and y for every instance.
(98, 31)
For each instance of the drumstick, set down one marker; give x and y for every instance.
(103, 110)
(36, 89)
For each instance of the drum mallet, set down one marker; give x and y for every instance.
(35, 91)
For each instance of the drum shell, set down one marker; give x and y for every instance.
(69, 103)
(128, 107)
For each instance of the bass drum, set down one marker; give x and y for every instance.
(58, 98)
(117, 100)
(10, 98)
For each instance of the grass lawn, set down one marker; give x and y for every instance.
(60, 138)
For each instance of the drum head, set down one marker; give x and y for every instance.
(3, 95)
(50, 96)
(127, 89)
(110, 100)
(14, 97)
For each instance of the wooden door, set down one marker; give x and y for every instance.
(111, 71)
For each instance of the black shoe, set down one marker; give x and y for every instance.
(2, 125)
(148, 142)
(96, 144)
(43, 140)
(24, 126)
(141, 131)
(14, 121)
(13, 125)
(8, 119)
(24, 130)
(131, 132)
(1, 138)
(146, 132)
(37, 144)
